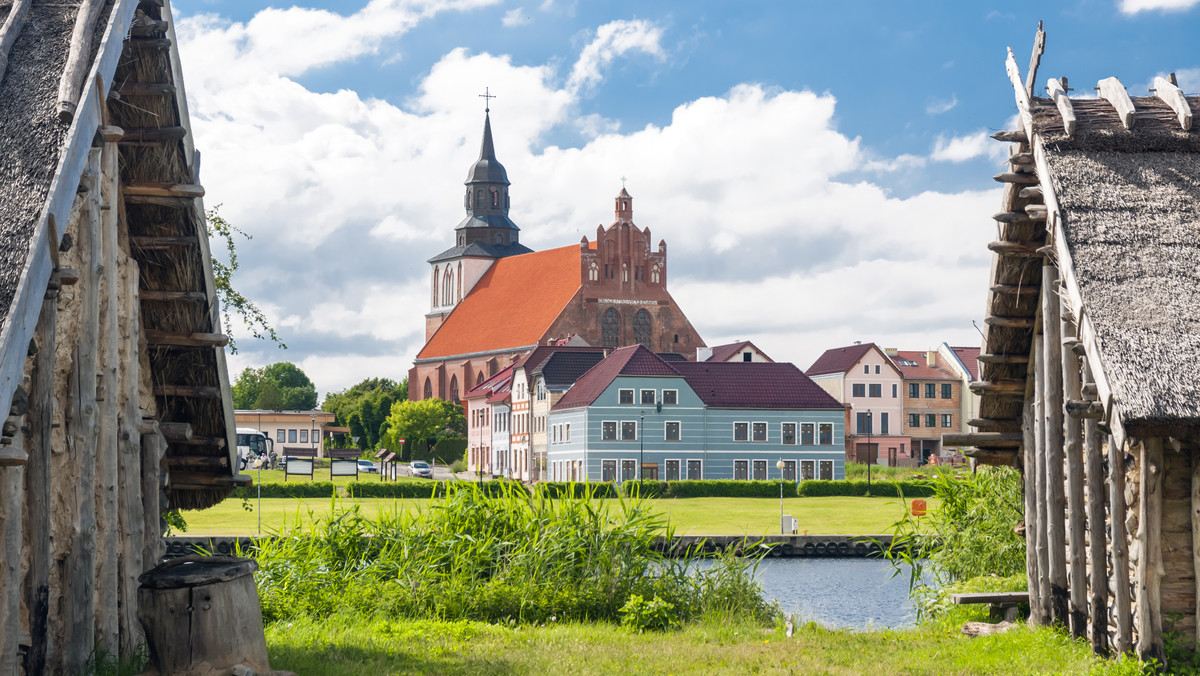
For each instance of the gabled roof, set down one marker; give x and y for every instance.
(491, 385)
(754, 385)
(533, 361)
(511, 306)
(724, 352)
(921, 368)
(969, 356)
(563, 368)
(841, 359)
(635, 360)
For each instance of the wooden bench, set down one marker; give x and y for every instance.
(1001, 605)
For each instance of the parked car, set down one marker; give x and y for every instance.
(368, 467)
(420, 468)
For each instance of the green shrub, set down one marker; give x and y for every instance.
(401, 488)
(855, 488)
(297, 489)
(641, 615)
(708, 488)
(459, 465)
(575, 489)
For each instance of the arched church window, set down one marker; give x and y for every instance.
(594, 272)
(610, 328)
(655, 275)
(448, 288)
(641, 327)
(624, 272)
(428, 389)
(434, 286)
(495, 198)
(454, 389)
(479, 197)
(479, 380)
(458, 289)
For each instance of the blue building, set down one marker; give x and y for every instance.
(694, 420)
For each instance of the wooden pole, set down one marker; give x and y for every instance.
(1149, 565)
(107, 478)
(79, 594)
(1055, 490)
(1076, 560)
(153, 448)
(12, 480)
(37, 486)
(1120, 548)
(1032, 572)
(10, 30)
(1039, 435)
(1097, 553)
(132, 516)
(78, 59)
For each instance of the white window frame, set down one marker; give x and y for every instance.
(813, 464)
(616, 430)
(795, 434)
(734, 430)
(832, 440)
(668, 422)
(766, 470)
(664, 398)
(679, 468)
(735, 470)
(795, 469)
(815, 438)
(642, 395)
(635, 430)
(686, 469)
(568, 432)
(820, 463)
(616, 468)
(632, 400)
(766, 432)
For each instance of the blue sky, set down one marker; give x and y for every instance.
(820, 170)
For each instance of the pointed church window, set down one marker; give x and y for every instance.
(641, 327)
(495, 198)
(610, 328)
(428, 389)
(454, 389)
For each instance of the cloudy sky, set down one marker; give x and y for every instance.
(820, 171)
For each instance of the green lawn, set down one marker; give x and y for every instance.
(350, 645)
(691, 516)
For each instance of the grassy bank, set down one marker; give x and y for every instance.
(691, 516)
(353, 645)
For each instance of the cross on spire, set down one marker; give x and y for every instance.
(487, 97)
(622, 183)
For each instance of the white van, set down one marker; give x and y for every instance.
(252, 444)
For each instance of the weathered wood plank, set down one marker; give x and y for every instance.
(1019, 178)
(144, 135)
(1036, 442)
(13, 23)
(153, 448)
(1073, 448)
(1011, 136)
(37, 484)
(159, 243)
(78, 59)
(1149, 537)
(194, 391)
(132, 517)
(998, 387)
(996, 425)
(176, 431)
(1122, 606)
(1004, 358)
(1065, 109)
(1113, 91)
(1173, 96)
(1097, 552)
(1020, 93)
(1015, 289)
(146, 88)
(164, 190)
(982, 439)
(158, 338)
(1009, 322)
(174, 296)
(1055, 490)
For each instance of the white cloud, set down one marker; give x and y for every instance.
(939, 106)
(612, 40)
(968, 147)
(348, 196)
(515, 17)
(1135, 6)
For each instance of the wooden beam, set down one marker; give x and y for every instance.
(1037, 430)
(147, 243)
(1019, 178)
(1058, 92)
(147, 26)
(1089, 390)
(197, 461)
(1173, 96)
(164, 190)
(70, 85)
(1011, 136)
(13, 23)
(155, 200)
(983, 439)
(1011, 217)
(999, 387)
(1020, 94)
(1093, 460)
(176, 431)
(1113, 91)
(148, 43)
(1014, 249)
(993, 456)
(213, 442)
(1004, 358)
(192, 391)
(1037, 212)
(1073, 448)
(157, 338)
(143, 135)
(1056, 503)
(1085, 409)
(995, 424)
(1149, 562)
(1122, 612)
(1033, 192)
(38, 492)
(146, 89)
(172, 296)
(201, 480)
(1015, 289)
(1021, 159)
(1039, 48)
(1010, 322)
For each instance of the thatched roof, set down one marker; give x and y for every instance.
(41, 162)
(1130, 201)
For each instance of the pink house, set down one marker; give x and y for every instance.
(865, 380)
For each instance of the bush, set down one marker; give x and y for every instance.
(722, 488)
(459, 465)
(305, 489)
(855, 488)
(575, 489)
(401, 488)
(641, 615)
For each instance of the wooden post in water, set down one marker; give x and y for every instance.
(1149, 564)
(1073, 448)
(1097, 553)
(1056, 529)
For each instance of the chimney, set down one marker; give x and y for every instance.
(931, 358)
(703, 353)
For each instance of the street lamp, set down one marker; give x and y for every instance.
(869, 459)
(779, 465)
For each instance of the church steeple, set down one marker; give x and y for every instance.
(486, 200)
(624, 206)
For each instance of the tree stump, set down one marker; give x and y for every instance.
(202, 616)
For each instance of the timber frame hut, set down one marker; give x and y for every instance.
(111, 362)
(1090, 380)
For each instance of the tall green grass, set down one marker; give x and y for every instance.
(507, 557)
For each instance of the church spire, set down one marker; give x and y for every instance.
(624, 205)
(487, 169)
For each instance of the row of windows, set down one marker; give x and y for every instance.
(291, 436)
(610, 328)
(560, 433)
(757, 470)
(863, 423)
(914, 390)
(875, 390)
(647, 397)
(810, 433)
(914, 420)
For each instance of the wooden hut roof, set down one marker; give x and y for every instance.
(1109, 188)
(129, 82)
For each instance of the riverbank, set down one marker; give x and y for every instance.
(353, 645)
(750, 517)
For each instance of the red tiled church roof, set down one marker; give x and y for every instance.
(511, 306)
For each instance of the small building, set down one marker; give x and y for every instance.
(743, 350)
(555, 373)
(932, 403)
(635, 414)
(297, 430)
(865, 380)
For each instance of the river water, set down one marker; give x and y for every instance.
(839, 593)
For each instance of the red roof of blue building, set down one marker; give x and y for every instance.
(754, 385)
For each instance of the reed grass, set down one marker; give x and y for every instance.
(507, 557)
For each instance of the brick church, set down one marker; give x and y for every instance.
(492, 299)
